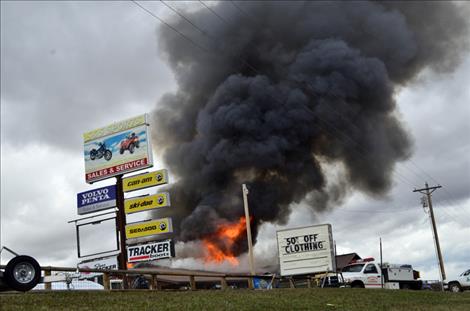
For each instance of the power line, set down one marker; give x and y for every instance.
(171, 27)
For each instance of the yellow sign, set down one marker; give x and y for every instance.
(141, 204)
(147, 228)
(115, 128)
(145, 180)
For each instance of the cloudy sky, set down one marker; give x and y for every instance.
(67, 68)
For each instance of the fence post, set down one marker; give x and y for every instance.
(47, 272)
(223, 283)
(106, 281)
(309, 282)
(250, 282)
(154, 284)
(192, 282)
(291, 283)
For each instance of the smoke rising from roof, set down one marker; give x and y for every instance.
(286, 88)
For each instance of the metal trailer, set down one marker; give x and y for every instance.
(21, 273)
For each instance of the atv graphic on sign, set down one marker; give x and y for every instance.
(131, 142)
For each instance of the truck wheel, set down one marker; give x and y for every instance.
(22, 273)
(455, 287)
(357, 285)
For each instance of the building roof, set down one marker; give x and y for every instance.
(345, 259)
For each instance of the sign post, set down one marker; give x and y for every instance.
(248, 233)
(121, 227)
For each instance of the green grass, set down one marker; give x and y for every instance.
(279, 299)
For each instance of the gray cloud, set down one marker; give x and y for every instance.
(71, 67)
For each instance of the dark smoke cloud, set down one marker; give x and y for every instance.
(288, 87)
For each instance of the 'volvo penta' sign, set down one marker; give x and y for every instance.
(96, 200)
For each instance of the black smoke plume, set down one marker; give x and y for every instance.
(285, 88)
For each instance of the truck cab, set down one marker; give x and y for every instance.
(364, 273)
(461, 283)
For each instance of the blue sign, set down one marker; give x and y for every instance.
(96, 200)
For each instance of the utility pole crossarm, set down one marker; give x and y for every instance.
(427, 189)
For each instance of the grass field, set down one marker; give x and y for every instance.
(280, 299)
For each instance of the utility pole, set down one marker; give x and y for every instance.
(248, 232)
(427, 191)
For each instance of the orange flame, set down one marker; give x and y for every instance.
(218, 246)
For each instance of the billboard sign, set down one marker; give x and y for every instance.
(116, 149)
(96, 200)
(306, 250)
(146, 228)
(146, 180)
(151, 251)
(107, 263)
(146, 203)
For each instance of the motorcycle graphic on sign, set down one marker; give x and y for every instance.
(101, 152)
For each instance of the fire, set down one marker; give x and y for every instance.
(219, 245)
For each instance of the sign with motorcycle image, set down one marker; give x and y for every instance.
(119, 148)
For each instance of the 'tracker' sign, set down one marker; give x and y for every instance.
(147, 228)
(96, 200)
(146, 203)
(151, 251)
(142, 181)
(306, 250)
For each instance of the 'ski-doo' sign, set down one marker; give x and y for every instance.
(145, 203)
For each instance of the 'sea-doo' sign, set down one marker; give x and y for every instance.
(96, 200)
(151, 251)
(145, 203)
(147, 228)
(142, 181)
(306, 250)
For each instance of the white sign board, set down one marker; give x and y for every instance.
(151, 251)
(108, 263)
(306, 250)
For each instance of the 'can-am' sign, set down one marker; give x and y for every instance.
(151, 251)
(96, 200)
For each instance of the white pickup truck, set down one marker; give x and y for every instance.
(462, 283)
(366, 273)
